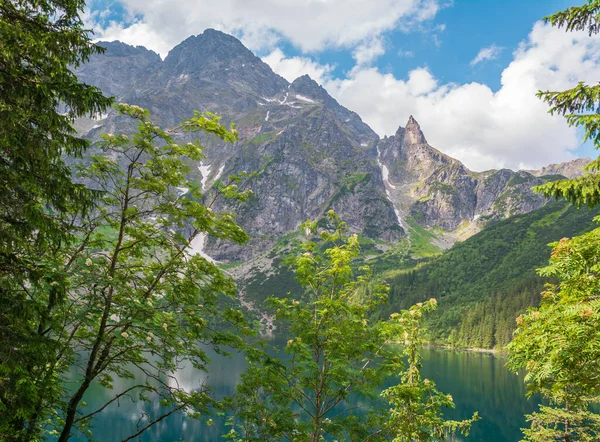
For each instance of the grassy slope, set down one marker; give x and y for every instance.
(500, 259)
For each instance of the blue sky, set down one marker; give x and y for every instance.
(469, 25)
(387, 59)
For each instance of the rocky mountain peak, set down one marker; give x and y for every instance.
(309, 88)
(120, 68)
(119, 49)
(209, 50)
(306, 90)
(413, 133)
(409, 158)
(312, 153)
(221, 59)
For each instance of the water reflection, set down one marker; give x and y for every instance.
(480, 382)
(476, 381)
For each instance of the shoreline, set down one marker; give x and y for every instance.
(468, 349)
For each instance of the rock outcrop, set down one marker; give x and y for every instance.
(569, 169)
(439, 191)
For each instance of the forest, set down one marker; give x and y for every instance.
(486, 281)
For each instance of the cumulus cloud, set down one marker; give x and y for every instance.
(490, 53)
(291, 68)
(368, 51)
(483, 128)
(311, 25)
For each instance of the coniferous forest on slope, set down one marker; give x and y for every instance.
(485, 282)
(482, 284)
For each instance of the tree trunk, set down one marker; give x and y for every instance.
(72, 411)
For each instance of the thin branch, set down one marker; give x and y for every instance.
(117, 397)
(164, 416)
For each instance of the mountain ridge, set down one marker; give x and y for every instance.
(312, 153)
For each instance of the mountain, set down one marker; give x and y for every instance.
(310, 153)
(570, 169)
(439, 192)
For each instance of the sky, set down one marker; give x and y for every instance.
(467, 70)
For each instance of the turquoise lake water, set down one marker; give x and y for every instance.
(476, 381)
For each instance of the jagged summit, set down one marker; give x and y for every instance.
(212, 47)
(212, 39)
(408, 156)
(308, 87)
(303, 79)
(413, 133)
(306, 145)
(219, 35)
(412, 124)
(221, 59)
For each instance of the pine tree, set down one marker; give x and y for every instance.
(579, 105)
(41, 42)
(559, 343)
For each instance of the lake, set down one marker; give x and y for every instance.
(476, 381)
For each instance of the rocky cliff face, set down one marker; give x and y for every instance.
(438, 191)
(408, 156)
(570, 169)
(311, 153)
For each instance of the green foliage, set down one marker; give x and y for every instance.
(127, 292)
(582, 190)
(444, 188)
(559, 424)
(483, 283)
(578, 18)
(41, 41)
(337, 352)
(351, 181)
(417, 406)
(491, 323)
(519, 178)
(559, 343)
(261, 138)
(421, 240)
(580, 107)
(332, 351)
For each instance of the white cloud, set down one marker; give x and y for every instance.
(509, 127)
(368, 51)
(481, 127)
(490, 53)
(311, 25)
(291, 68)
(137, 34)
